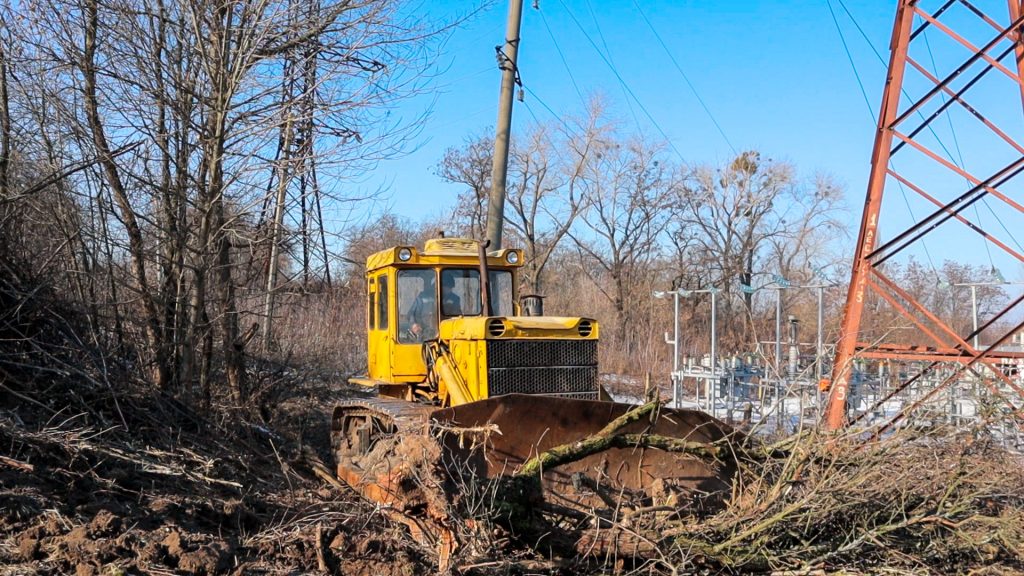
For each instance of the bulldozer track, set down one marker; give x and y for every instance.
(357, 424)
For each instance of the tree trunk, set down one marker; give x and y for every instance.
(5, 127)
(284, 176)
(233, 347)
(136, 246)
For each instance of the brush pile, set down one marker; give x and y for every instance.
(909, 504)
(100, 474)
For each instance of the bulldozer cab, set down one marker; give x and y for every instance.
(410, 293)
(428, 295)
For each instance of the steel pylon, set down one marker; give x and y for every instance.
(952, 64)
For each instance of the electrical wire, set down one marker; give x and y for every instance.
(956, 146)
(608, 51)
(874, 120)
(956, 143)
(686, 78)
(902, 90)
(546, 107)
(859, 29)
(561, 56)
(849, 58)
(622, 81)
(529, 109)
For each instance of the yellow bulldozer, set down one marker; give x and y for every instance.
(472, 384)
(444, 326)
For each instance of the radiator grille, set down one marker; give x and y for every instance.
(550, 367)
(541, 353)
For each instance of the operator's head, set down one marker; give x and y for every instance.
(447, 281)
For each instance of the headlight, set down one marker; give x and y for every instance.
(512, 257)
(404, 254)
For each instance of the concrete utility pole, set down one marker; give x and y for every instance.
(676, 387)
(778, 334)
(508, 55)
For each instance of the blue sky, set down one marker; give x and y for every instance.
(774, 75)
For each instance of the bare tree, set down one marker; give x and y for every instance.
(630, 189)
(470, 166)
(812, 231)
(158, 123)
(544, 198)
(750, 217)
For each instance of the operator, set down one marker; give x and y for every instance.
(423, 313)
(451, 304)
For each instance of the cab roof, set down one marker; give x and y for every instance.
(443, 251)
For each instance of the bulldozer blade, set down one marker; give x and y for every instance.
(531, 425)
(420, 461)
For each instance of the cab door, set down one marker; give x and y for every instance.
(408, 348)
(378, 326)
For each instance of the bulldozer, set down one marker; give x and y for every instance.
(470, 383)
(444, 327)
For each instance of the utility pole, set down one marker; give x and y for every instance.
(778, 334)
(819, 341)
(779, 403)
(508, 55)
(974, 315)
(819, 352)
(674, 341)
(677, 392)
(714, 350)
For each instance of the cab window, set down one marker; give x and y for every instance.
(460, 292)
(500, 292)
(417, 305)
(382, 303)
(371, 305)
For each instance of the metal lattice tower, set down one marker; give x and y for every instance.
(948, 143)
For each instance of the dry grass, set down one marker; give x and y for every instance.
(913, 504)
(326, 330)
(99, 470)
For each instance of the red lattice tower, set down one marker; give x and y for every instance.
(951, 121)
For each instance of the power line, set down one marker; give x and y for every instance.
(849, 58)
(859, 29)
(871, 111)
(956, 145)
(561, 56)
(685, 78)
(622, 82)
(546, 107)
(902, 90)
(949, 119)
(608, 51)
(930, 129)
(530, 110)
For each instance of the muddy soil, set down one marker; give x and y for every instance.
(167, 490)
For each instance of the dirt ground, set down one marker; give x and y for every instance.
(102, 474)
(166, 490)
